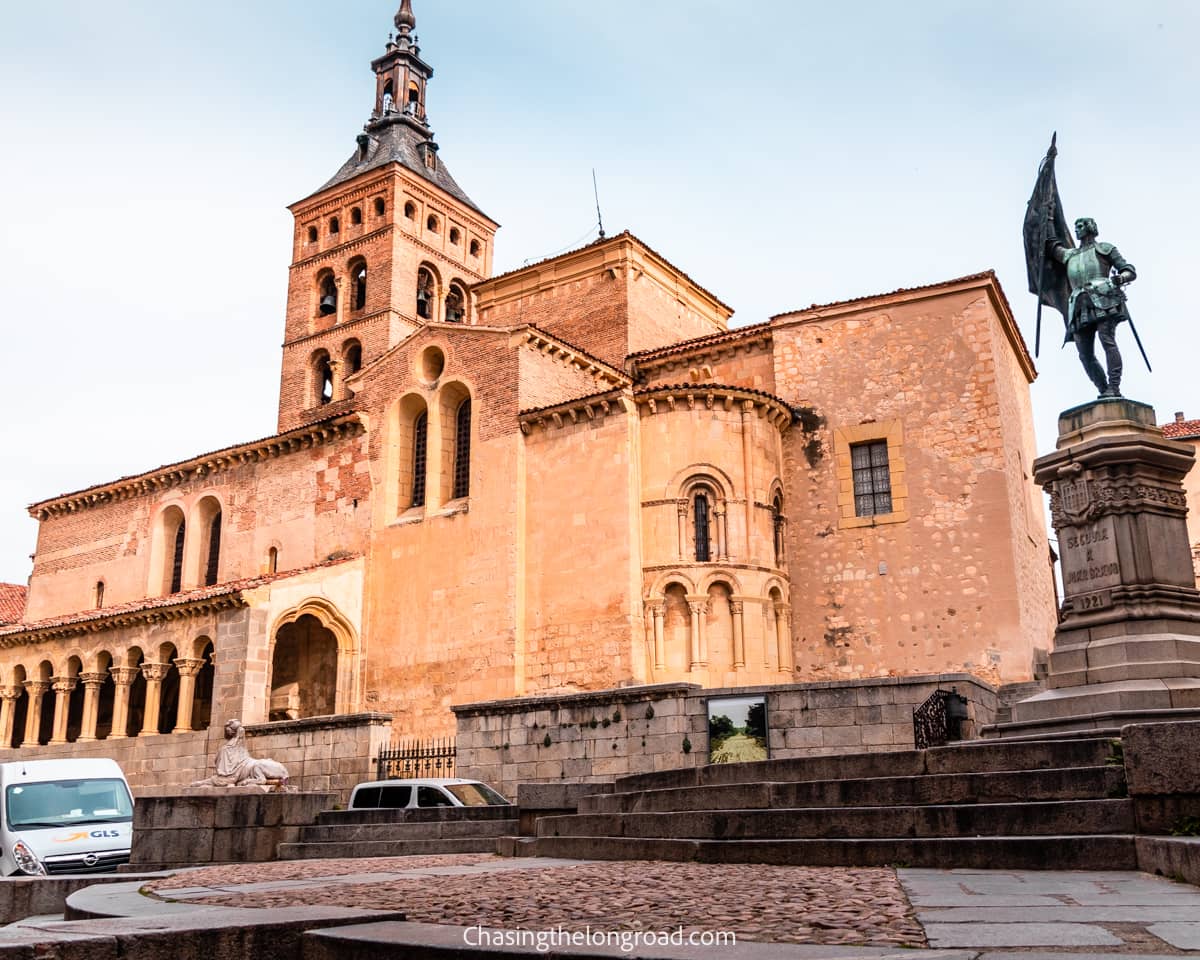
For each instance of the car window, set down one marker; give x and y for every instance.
(432, 797)
(395, 796)
(365, 797)
(476, 795)
(68, 802)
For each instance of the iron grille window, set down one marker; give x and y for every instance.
(420, 449)
(872, 478)
(701, 519)
(214, 551)
(177, 562)
(462, 450)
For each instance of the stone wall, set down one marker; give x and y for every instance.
(324, 754)
(595, 737)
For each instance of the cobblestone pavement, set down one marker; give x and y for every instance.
(864, 906)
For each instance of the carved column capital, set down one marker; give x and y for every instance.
(36, 688)
(154, 671)
(189, 666)
(10, 693)
(64, 684)
(681, 506)
(698, 607)
(735, 606)
(93, 679)
(123, 676)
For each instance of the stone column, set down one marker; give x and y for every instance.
(718, 522)
(697, 610)
(8, 704)
(723, 532)
(92, 682)
(63, 686)
(748, 475)
(33, 718)
(154, 673)
(783, 637)
(739, 636)
(123, 678)
(660, 659)
(337, 377)
(681, 507)
(188, 669)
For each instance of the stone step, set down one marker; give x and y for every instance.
(992, 755)
(385, 848)
(1072, 783)
(976, 853)
(996, 819)
(416, 814)
(445, 830)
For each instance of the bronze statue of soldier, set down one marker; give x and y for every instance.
(1084, 283)
(1096, 272)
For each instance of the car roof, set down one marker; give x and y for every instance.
(417, 782)
(38, 771)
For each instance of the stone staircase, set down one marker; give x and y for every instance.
(997, 804)
(1012, 693)
(400, 833)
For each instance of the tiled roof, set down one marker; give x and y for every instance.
(12, 603)
(986, 274)
(159, 603)
(274, 443)
(1181, 429)
(708, 340)
(398, 143)
(624, 234)
(707, 386)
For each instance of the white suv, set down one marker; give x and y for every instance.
(431, 792)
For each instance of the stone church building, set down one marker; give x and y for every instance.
(572, 476)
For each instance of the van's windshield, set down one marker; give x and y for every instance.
(57, 803)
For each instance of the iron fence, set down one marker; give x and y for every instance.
(939, 719)
(407, 759)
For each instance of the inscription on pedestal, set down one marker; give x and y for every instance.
(1089, 562)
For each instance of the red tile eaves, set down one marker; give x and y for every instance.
(1181, 429)
(173, 600)
(12, 603)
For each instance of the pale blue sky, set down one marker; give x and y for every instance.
(782, 153)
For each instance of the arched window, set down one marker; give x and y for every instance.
(353, 357)
(273, 560)
(425, 293)
(177, 557)
(99, 598)
(334, 226)
(312, 234)
(410, 210)
(356, 215)
(420, 455)
(456, 303)
(462, 450)
(475, 248)
(388, 103)
(414, 98)
(701, 510)
(212, 561)
(322, 379)
(431, 223)
(455, 236)
(379, 206)
(327, 294)
(358, 274)
(777, 524)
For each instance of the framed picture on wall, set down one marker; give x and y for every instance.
(737, 729)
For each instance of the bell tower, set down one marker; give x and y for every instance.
(388, 244)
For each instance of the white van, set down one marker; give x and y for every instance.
(63, 816)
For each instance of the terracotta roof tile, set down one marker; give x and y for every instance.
(986, 274)
(153, 603)
(12, 603)
(709, 339)
(708, 385)
(1181, 429)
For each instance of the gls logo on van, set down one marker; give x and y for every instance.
(95, 834)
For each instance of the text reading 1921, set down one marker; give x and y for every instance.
(1090, 558)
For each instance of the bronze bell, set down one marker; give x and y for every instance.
(328, 304)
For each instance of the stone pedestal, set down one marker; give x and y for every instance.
(1127, 645)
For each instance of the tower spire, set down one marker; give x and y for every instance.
(404, 19)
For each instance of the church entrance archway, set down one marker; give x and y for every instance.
(304, 670)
